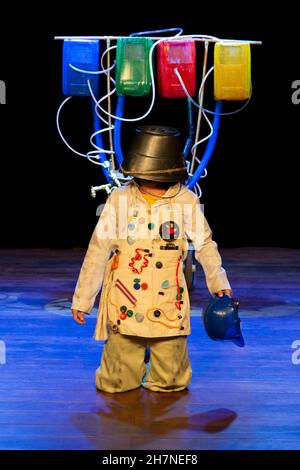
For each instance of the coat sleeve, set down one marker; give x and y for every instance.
(102, 243)
(206, 249)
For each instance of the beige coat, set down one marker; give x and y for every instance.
(144, 291)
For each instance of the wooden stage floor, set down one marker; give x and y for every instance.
(238, 399)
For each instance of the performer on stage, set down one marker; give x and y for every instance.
(136, 254)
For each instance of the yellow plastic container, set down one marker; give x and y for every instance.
(232, 73)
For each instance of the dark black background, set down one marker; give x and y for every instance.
(251, 191)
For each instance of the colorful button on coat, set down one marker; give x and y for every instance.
(139, 317)
(130, 240)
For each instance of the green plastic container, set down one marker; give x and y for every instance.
(132, 68)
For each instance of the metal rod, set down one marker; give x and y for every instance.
(109, 102)
(114, 38)
(191, 169)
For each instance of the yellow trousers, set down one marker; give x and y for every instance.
(123, 367)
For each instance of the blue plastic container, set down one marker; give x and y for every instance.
(83, 54)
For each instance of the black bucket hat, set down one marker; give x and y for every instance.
(156, 155)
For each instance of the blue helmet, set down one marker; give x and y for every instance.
(221, 320)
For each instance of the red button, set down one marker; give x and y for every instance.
(144, 285)
(123, 316)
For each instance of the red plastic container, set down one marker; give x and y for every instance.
(180, 54)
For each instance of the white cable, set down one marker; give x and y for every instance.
(208, 110)
(153, 94)
(144, 33)
(106, 164)
(92, 72)
(205, 170)
(100, 101)
(200, 89)
(96, 111)
(206, 137)
(96, 146)
(101, 62)
(59, 131)
(199, 190)
(204, 80)
(88, 155)
(98, 72)
(96, 105)
(205, 116)
(108, 94)
(152, 74)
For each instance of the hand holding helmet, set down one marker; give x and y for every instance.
(221, 320)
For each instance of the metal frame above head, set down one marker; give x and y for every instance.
(154, 38)
(113, 176)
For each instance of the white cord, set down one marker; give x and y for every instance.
(101, 62)
(146, 33)
(204, 138)
(153, 95)
(108, 94)
(88, 154)
(205, 116)
(95, 72)
(59, 131)
(208, 110)
(96, 146)
(100, 101)
(152, 75)
(67, 99)
(197, 190)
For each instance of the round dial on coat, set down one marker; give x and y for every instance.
(169, 230)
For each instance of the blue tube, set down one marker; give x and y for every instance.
(191, 134)
(99, 142)
(117, 130)
(209, 148)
